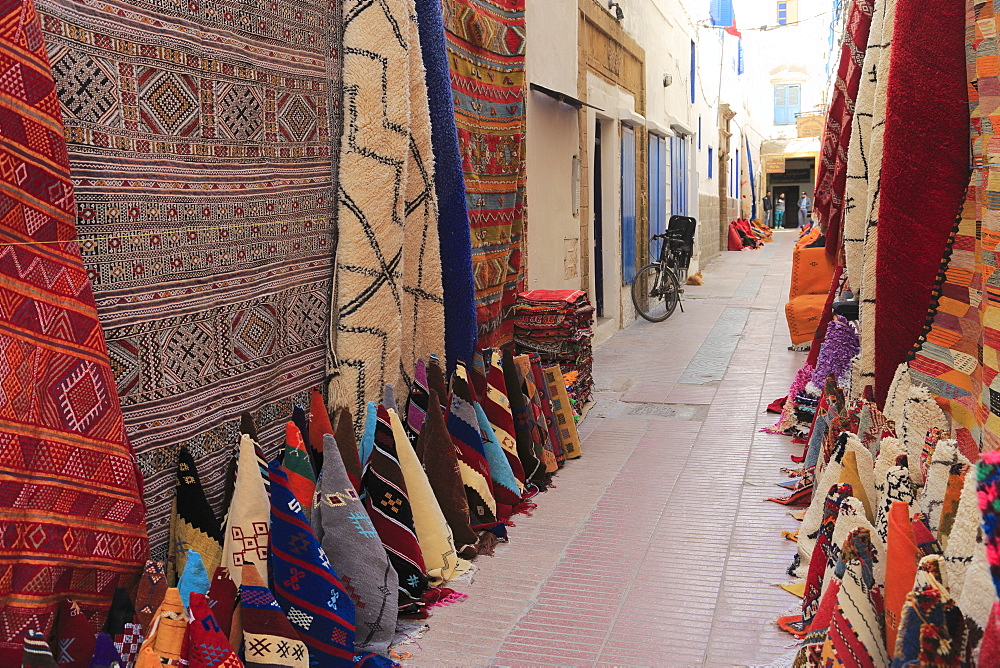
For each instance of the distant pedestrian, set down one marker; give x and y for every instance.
(803, 210)
(767, 209)
(779, 211)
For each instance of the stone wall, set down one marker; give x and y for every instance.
(710, 236)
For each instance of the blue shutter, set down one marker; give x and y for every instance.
(721, 12)
(794, 102)
(740, 65)
(628, 204)
(692, 71)
(710, 160)
(753, 189)
(781, 105)
(678, 176)
(657, 192)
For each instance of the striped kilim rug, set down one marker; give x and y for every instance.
(486, 41)
(73, 517)
(201, 160)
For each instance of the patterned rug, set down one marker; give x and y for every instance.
(486, 40)
(72, 510)
(924, 175)
(201, 160)
(389, 303)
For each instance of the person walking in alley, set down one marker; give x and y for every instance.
(767, 209)
(779, 211)
(803, 210)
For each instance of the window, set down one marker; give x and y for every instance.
(692, 71)
(787, 103)
(709, 162)
(788, 12)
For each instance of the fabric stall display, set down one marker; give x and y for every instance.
(556, 324)
(70, 479)
(388, 300)
(812, 274)
(744, 234)
(486, 47)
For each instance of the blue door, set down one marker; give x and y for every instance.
(678, 176)
(657, 192)
(628, 204)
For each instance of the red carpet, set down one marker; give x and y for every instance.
(925, 171)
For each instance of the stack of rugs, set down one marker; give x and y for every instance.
(331, 540)
(557, 324)
(747, 234)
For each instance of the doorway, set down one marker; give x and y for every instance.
(598, 224)
(791, 194)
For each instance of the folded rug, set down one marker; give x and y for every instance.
(207, 645)
(416, 403)
(347, 443)
(305, 585)
(529, 446)
(298, 467)
(193, 525)
(824, 551)
(73, 636)
(268, 638)
(319, 425)
(440, 461)
(194, 579)
(546, 402)
(441, 561)
(367, 443)
(164, 643)
(537, 426)
(222, 596)
(105, 653)
(436, 381)
(35, 651)
(248, 524)
(388, 506)
(355, 551)
(931, 628)
(123, 626)
(151, 592)
(496, 406)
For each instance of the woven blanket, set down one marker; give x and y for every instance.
(824, 551)
(123, 626)
(832, 172)
(932, 629)
(151, 592)
(68, 478)
(297, 467)
(73, 636)
(193, 525)
(201, 160)
(461, 334)
(222, 596)
(440, 460)
(353, 547)
(389, 303)
(463, 426)
(388, 506)
(207, 644)
(486, 42)
(248, 526)
(924, 175)
(416, 402)
(529, 445)
(164, 643)
(268, 637)
(305, 584)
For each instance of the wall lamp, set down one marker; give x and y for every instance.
(616, 10)
(667, 80)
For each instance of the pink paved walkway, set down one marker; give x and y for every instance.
(656, 547)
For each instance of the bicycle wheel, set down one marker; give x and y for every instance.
(655, 293)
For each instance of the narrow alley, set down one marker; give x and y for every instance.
(655, 547)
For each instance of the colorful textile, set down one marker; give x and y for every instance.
(222, 596)
(546, 404)
(557, 325)
(988, 487)
(441, 562)
(74, 637)
(927, 96)
(367, 444)
(298, 467)
(152, 590)
(901, 568)
(388, 507)
(435, 380)
(506, 488)
(831, 174)
(449, 183)
(529, 446)
(347, 443)
(247, 528)
(193, 525)
(389, 298)
(71, 482)
(164, 643)
(824, 551)
(35, 651)
(207, 645)
(486, 46)
(416, 402)
(106, 654)
(319, 422)
(931, 630)
(123, 627)
(538, 424)
(352, 545)
(496, 407)
(268, 638)
(440, 461)
(463, 426)
(194, 579)
(840, 346)
(305, 585)
(221, 187)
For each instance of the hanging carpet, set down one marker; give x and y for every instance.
(69, 482)
(201, 160)
(388, 296)
(486, 46)
(924, 175)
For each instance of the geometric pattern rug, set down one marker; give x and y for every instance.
(486, 47)
(202, 149)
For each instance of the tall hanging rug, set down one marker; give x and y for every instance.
(486, 42)
(74, 519)
(201, 137)
(388, 296)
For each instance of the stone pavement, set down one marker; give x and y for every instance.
(656, 547)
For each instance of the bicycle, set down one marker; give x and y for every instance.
(657, 289)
